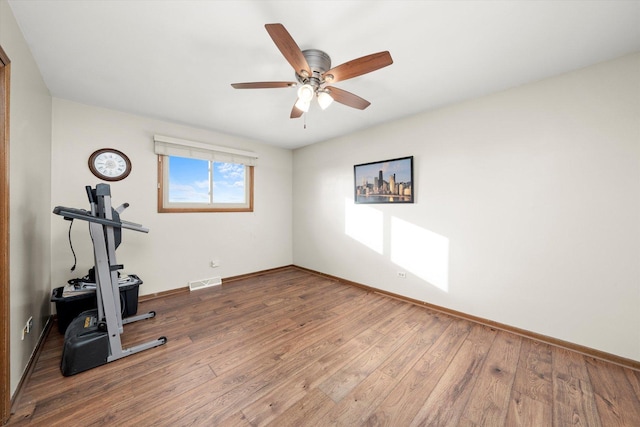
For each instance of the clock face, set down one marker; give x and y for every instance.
(109, 164)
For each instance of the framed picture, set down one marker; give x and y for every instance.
(387, 181)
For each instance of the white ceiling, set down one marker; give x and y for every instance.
(175, 60)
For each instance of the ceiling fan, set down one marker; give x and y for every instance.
(314, 73)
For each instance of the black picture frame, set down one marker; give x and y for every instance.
(386, 181)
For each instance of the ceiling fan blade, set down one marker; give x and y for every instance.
(347, 98)
(288, 47)
(262, 85)
(358, 67)
(296, 112)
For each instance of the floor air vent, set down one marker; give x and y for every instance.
(205, 283)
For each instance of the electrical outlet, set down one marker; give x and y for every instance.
(402, 274)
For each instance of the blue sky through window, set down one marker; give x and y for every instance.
(228, 181)
(189, 181)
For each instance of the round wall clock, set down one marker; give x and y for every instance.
(109, 164)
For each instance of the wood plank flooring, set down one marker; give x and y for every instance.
(290, 348)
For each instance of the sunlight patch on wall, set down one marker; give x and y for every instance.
(420, 251)
(364, 224)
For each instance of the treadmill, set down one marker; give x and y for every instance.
(93, 337)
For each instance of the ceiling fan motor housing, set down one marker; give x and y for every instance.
(319, 62)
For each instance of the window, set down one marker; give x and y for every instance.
(197, 177)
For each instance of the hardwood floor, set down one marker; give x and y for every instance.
(292, 348)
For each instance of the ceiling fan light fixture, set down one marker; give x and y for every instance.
(306, 92)
(324, 99)
(303, 105)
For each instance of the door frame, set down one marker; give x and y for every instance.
(5, 315)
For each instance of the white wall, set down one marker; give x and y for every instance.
(179, 247)
(30, 191)
(527, 208)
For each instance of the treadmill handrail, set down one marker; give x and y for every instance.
(84, 215)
